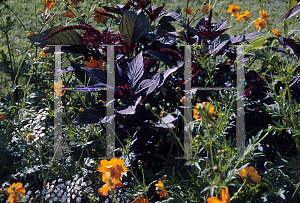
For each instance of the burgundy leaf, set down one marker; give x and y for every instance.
(159, 56)
(170, 17)
(290, 13)
(95, 113)
(129, 109)
(155, 82)
(135, 70)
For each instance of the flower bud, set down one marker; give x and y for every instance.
(154, 109)
(2, 117)
(287, 50)
(69, 103)
(216, 169)
(147, 106)
(81, 109)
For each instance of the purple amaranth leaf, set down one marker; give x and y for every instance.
(200, 24)
(135, 70)
(159, 56)
(155, 82)
(170, 17)
(234, 40)
(95, 113)
(290, 13)
(129, 109)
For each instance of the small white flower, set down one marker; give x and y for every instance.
(64, 198)
(73, 196)
(47, 196)
(78, 199)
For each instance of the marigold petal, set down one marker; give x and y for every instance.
(103, 165)
(213, 200)
(160, 183)
(103, 191)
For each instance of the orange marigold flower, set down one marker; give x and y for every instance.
(188, 11)
(113, 168)
(276, 32)
(2, 117)
(68, 14)
(44, 52)
(95, 64)
(49, 3)
(260, 23)
(264, 15)
(57, 87)
(140, 199)
(205, 8)
(250, 175)
(16, 191)
(160, 189)
(225, 198)
(98, 17)
(202, 105)
(244, 16)
(233, 9)
(111, 183)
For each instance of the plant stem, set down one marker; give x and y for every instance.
(238, 191)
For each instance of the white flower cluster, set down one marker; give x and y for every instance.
(68, 191)
(35, 123)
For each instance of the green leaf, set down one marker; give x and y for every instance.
(259, 42)
(134, 25)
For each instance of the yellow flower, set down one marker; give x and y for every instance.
(98, 16)
(244, 16)
(225, 198)
(160, 189)
(140, 199)
(95, 64)
(16, 192)
(111, 183)
(205, 8)
(49, 3)
(2, 117)
(44, 52)
(113, 168)
(233, 9)
(57, 87)
(264, 15)
(210, 111)
(276, 32)
(250, 174)
(188, 11)
(260, 23)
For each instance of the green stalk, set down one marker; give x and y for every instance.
(238, 191)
